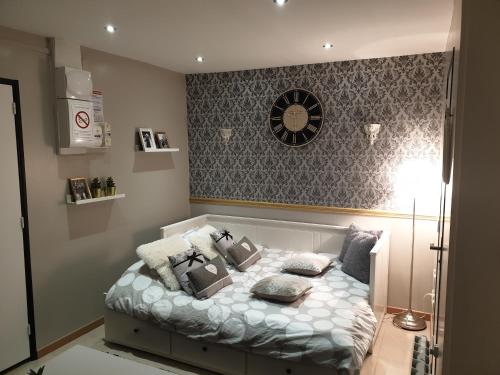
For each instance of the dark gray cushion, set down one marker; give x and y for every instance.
(243, 254)
(351, 232)
(186, 261)
(208, 279)
(223, 241)
(357, 258)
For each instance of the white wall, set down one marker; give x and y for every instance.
(426, 232)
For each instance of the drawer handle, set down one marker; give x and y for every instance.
(288, 371)
(204, 348)
(136, 330)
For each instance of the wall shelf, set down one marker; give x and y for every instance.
(161, 150)
(69, 200)
(81, 150)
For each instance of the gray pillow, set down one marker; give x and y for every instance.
(208, 279)
(281, 288)
(184, 262)
(223, 241)
(308, 264)
(243, 254)
(351, 232)
(357, 259)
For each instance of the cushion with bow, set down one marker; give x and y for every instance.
(184, 262)
(223, 241)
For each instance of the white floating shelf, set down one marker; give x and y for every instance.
(93, 200)
(162, 150)
(81, 150)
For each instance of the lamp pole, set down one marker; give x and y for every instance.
(408, 319)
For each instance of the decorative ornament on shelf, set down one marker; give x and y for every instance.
(96, 188)
(110, 186)
(226, 134)
(371, 131)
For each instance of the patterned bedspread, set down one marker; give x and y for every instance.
(332, 325)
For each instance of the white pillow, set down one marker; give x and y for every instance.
(155, 255)
(308, 264)
(203, 241)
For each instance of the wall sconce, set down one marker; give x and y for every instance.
(371, 131)
(226, 134)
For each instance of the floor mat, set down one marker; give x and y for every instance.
(420, 361)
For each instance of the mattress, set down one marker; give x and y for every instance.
(333, 325)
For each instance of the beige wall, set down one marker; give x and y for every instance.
(78, 252)
(399, 265)
(472, 321)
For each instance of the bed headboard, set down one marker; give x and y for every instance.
(301, 237)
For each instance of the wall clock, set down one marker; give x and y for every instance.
(296, 117)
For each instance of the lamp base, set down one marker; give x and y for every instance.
(409, 321)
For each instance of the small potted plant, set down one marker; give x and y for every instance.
(110, 186)
(96, 188)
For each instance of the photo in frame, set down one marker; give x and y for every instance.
(161, 140)
(147, 139)
(79, 189)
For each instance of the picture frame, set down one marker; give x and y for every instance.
(79, 188)
(147, 138)
(161, 140)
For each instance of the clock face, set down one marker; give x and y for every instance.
(296, 117)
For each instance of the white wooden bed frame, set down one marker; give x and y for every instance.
(301, 237)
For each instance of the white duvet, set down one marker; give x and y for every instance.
(333, 325)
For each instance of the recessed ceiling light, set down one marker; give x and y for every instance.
(280, 3)
(200, 59)
(327, 45)
(110, 29)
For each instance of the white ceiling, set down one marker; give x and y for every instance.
(238, 34)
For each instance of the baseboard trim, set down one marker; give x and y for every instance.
(310, 208)
(69, 337)
(397, 310)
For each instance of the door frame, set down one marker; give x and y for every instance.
(24, 211)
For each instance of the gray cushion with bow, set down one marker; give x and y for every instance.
(184, 262)
(223, 241)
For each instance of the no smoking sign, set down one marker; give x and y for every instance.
(82, 119)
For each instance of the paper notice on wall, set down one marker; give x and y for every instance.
(98, 106)
(82, 123)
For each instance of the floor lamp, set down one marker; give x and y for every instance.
(408, 319)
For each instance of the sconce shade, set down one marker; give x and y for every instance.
(371, 131)
(226, 135)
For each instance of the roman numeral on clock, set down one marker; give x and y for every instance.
(286, 99)
(277, 128)
(294, 138)
(284, 136)
(276, 118)
(315, 117)
(312, 107)
(312, 128)
(296, 96)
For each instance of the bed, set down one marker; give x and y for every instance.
(329, 330)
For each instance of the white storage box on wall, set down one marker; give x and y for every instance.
(75, 112)
(73, 84)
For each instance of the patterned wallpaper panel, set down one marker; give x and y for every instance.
(339, 168)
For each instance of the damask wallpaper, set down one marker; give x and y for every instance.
(339, 168)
